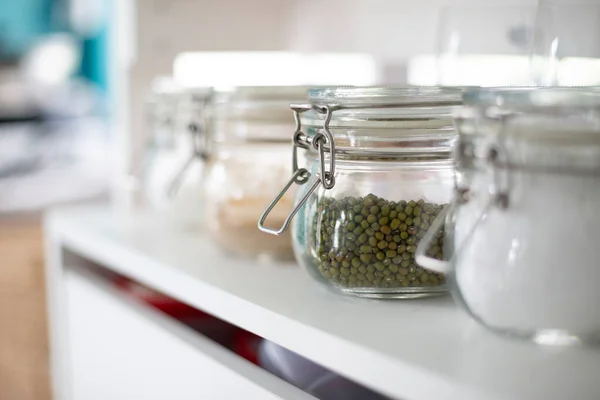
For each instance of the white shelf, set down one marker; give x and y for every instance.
(414, 349)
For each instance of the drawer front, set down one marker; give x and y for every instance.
(122, 350)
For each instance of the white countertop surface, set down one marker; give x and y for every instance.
(424, 349)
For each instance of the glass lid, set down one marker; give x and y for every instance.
(534, 98)
(386, 119)
(165, 88)
(268, 103)
(563, 114)
(254, 114)
(360, 97)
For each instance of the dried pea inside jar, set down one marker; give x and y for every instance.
(371, 242)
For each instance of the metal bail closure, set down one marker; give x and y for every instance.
(438, 224)
(300, 176)
(321, 140)
(501, 181)
(199, 151)
(421, 256)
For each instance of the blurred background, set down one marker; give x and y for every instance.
(76, 76)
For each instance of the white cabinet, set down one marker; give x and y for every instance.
(120, 350)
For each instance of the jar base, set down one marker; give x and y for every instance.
(556, 337)
(549, 337)
(393, 293)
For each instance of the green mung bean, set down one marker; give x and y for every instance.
(371, 242)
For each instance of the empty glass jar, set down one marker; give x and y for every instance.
(248, 164)
(378, 172)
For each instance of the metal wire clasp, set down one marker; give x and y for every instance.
(497, 158)
(200, 150)
(322, 142)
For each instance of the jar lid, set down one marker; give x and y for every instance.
(270, 103)
(407, 96)
(255, 113)
(165, 89)
(257, 93)
(531, 99)
(563, 114)
(386, 119)
(172, 108)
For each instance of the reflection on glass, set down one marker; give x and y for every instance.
(566, 47)
(486, 46)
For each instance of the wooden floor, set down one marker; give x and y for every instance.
(24, 371)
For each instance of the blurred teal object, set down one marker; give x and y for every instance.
(91, 22)
(21, 23)
(94, 63)
(25, 25)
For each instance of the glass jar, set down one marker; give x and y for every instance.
(379, 170)
(248, 163)
(525, 217)
(172, 167)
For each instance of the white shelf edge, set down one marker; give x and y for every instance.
(341, 356)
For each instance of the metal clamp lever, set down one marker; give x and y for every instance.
(441, 266)
(300, 176)
(199, 152)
